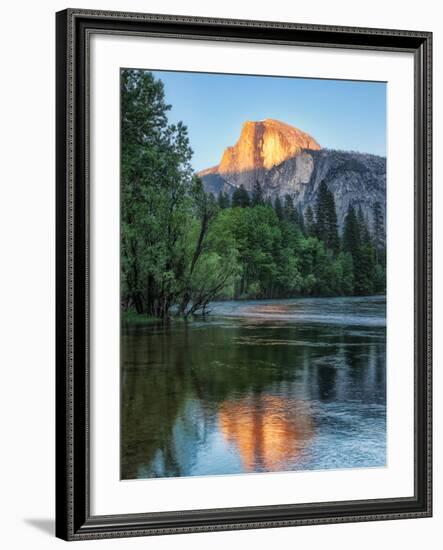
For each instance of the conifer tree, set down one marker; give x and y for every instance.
(379, 233)
(278, 208)
(364, 270)
(321, 225)
(357, 241)
(223, 200)
(333, 240)
(240, 197)
(365, 236)
(347, 282)
(291, 213)
(257, 194)
(326, 218)
(351, 233)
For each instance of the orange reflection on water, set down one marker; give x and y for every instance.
(269, 431)
(272, 309)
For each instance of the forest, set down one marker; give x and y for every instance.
(182, 248)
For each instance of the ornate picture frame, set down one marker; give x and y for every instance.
(74, 517)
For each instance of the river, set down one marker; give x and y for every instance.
(256, 386)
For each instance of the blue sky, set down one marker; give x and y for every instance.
(339, 114)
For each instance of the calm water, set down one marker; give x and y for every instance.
(257, 387)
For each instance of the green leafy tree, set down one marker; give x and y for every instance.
(182, 247)
(156, 176)
(215, 272)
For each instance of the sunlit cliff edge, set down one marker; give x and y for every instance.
(262, 145)
(286, 160)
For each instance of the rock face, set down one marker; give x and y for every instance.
(261, 146)
(264, 144)
(285, 160)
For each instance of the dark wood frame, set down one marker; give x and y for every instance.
(73, 518)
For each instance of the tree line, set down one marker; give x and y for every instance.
(182, 248)
(324, 262)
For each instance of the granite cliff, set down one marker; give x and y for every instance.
(285, 160)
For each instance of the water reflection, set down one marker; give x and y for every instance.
(245, 391)
(268, 431)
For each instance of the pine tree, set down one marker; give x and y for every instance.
(223, 200)
(365, 236)
(290, 213)
(240, 197)
(278, 208)
(333, 240)
(357, 241)
(351, 233)
(321, 207)
(379, 233)
(326, 218)
(364, 270)
(347, 282)
(257, 194)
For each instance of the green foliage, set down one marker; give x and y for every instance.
(364, 276)
(346, 273)
(351, 233)
(257, 195)
(181, 248)
(301, 220)
(369, 274)
(278, 208)
(223, 200)
(165, 215)
(379, 233)
(326, 227)
(291, 213)
(156, 176)
(240, 197)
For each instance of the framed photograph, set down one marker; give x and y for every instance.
(243, 274)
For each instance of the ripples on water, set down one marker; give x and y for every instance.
(256, 387)
(369, 311)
